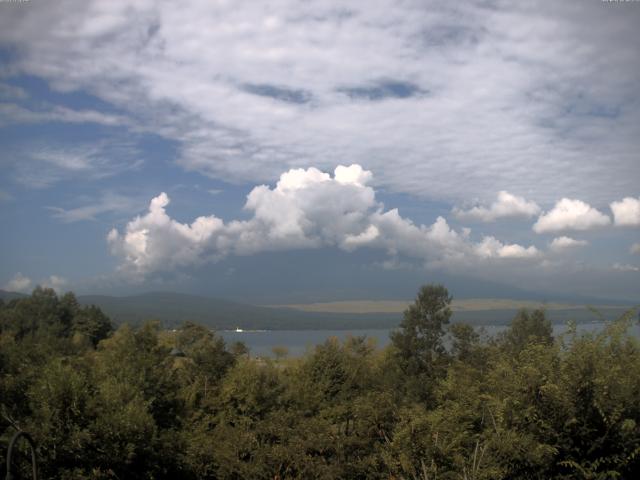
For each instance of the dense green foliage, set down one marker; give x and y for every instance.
(149, 403)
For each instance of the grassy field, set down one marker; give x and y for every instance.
(464, 305)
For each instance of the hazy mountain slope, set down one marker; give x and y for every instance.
(174, 308)
(6, 296)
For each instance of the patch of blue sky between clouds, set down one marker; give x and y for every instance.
(283, 94)
(383, 90)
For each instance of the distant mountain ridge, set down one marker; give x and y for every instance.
(173, 309)
(6, 296)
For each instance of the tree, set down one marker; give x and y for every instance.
(92, 323)
(526, 329)
(464, 340)
(418, 344)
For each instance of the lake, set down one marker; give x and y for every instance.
(261, 342)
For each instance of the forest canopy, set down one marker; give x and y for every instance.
(142, 402)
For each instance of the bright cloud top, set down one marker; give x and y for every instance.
(568, 214)
(564, 243)
(626, 212)
(506, 205)
(307, 208)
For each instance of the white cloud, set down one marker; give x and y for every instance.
(19, 283)
(570, 214)
(364, 238)
(625, 267)
(506, 205)
(306, 209)
(563, 243)
(23, 284)
(635, 249)
(55, 282)
(491, 248)
(109, 202)
(626, 212)
(265, 87)
(11, 92)
(40, 166)
(11, 114)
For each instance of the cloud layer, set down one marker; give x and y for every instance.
(248, 90)
(307, 208)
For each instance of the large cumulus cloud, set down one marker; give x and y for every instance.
(307, 208)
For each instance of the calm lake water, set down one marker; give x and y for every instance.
(261, 342)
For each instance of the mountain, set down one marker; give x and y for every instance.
(172, 309)
(7, 296)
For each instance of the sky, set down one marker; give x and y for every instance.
(302, 150)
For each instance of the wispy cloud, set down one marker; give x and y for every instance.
(393, 87)
(108, 202)
(11, 92)
(625, 267)
(44, 165)
(11, 113)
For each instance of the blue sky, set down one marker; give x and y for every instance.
(317, 150)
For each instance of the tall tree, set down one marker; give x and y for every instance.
(418, 345)
(528, 328)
